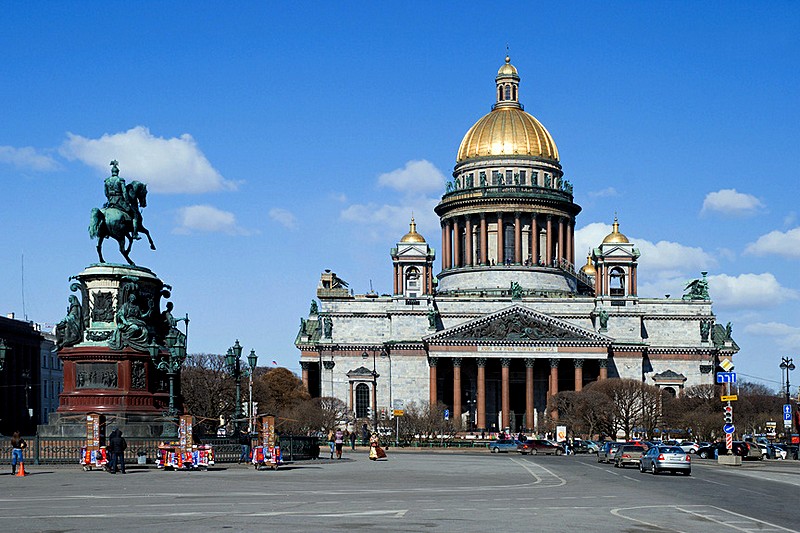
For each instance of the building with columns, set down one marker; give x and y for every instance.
(509, 320)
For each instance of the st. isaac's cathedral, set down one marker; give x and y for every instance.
(509, 320)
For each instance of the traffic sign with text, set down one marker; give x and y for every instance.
(731, 398)
(726, 377)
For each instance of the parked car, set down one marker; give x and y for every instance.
(593, 445)
(606, 453)
(669, 458)
(582, 446)
(740, 448)
(790, 449)
(536, 446)
(504, 445)
(689, 447)
(628, 454)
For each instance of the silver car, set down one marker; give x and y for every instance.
(669, 458)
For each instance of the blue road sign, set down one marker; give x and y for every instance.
(787, 411)
(726, 377)
(447, 414)
(728, 428)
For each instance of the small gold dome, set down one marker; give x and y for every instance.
(412, 235)
(507, 131)
(588, 268)
(508, 70)
(615, 236)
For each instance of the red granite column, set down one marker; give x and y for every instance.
(457, 390)
(444, 243)
(506, 397)
(500, 236)
(352, 405)
(468, 231)
(304, 365)
(603, 370)
(484, 239)
(561, 239)
(517, 238)
(456, 243)
(448, 251)
(529, 393)
(481, 407)
(578, 374)
(434, 397)
(548, 260)
(534, 239)
(553, 377)
(570, 245)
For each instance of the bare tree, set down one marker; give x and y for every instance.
(207, 390)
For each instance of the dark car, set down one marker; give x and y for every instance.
(542, 446)
(740, 448)
(580, 446)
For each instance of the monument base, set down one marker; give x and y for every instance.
(729, 460)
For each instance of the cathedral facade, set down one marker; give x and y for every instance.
(509, 320)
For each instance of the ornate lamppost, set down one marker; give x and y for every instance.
(252, 359)
(171, 364)
(235, 369)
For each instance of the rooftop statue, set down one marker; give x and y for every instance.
(120, 218)
(697, 289)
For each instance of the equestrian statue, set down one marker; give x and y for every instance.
(120, 217)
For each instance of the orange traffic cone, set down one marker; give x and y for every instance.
(21, 470)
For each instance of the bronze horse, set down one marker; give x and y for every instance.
(118, 224)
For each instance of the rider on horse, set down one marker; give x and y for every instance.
(118, 196)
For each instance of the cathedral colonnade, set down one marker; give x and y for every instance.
(487, 391)
(529, 239)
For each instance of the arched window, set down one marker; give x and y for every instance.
(412, 281)
(362, 400)
(500, 94)
(617, 282)
(508, 92)
(515, 93)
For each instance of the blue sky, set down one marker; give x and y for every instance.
(266, 135)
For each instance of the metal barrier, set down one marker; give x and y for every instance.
(66, 450)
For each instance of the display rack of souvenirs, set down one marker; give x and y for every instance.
(93, 458)
(183, 454)
(268, 453)
(92, 454)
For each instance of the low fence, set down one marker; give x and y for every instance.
(66, 450)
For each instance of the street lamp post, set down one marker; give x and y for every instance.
(252, 359)
(171, 364)
(787, 365)
(375, 377)
(234, 365)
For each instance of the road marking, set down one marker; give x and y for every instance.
(705, 512)
(524, 464)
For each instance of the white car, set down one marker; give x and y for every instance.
(689, 447)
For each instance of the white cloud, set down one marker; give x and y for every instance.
(416, 177)
(787, 337)
(731, 202)
(174, 165)
(207, 219)
(748, 291)
(786, 244)
(27, 158)
(604, 193)
(391, 221)
(283, 217)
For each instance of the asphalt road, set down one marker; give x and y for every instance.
(467, 492)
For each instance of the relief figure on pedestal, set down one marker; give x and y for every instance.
(102, 307)
(132, 329)
(172, 335)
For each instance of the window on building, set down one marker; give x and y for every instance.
(412, 279)
(617, 282)
(508, 243)
(509, 177)
(508, 92)
(514, 88)
(482, 176)
(523, 176)
(496, 178)
(362, 400)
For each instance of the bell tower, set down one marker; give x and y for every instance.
(413, 265)
(616, 263)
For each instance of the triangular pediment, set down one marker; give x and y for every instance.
(518, 324)
(360, 371)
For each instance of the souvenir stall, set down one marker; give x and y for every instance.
(184, 455)
(268, 453)
(92, 454)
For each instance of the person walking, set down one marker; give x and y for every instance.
(353, 440)
(116, 450)
(339, 441)
(244, 442)
(332, 442)
(17, 445)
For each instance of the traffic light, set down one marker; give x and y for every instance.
(728, 410)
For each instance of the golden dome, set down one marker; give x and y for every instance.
(508, 70)
(615, 236)
(412, 235)
(588, 268)
(507, 131)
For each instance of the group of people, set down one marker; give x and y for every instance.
(337, 439)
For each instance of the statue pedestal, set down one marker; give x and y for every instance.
(107, 368)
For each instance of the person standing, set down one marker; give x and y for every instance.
(116, 451)
(353, 440)
(17, 445)
(332, 442)
(244, 442)
(339, 441)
